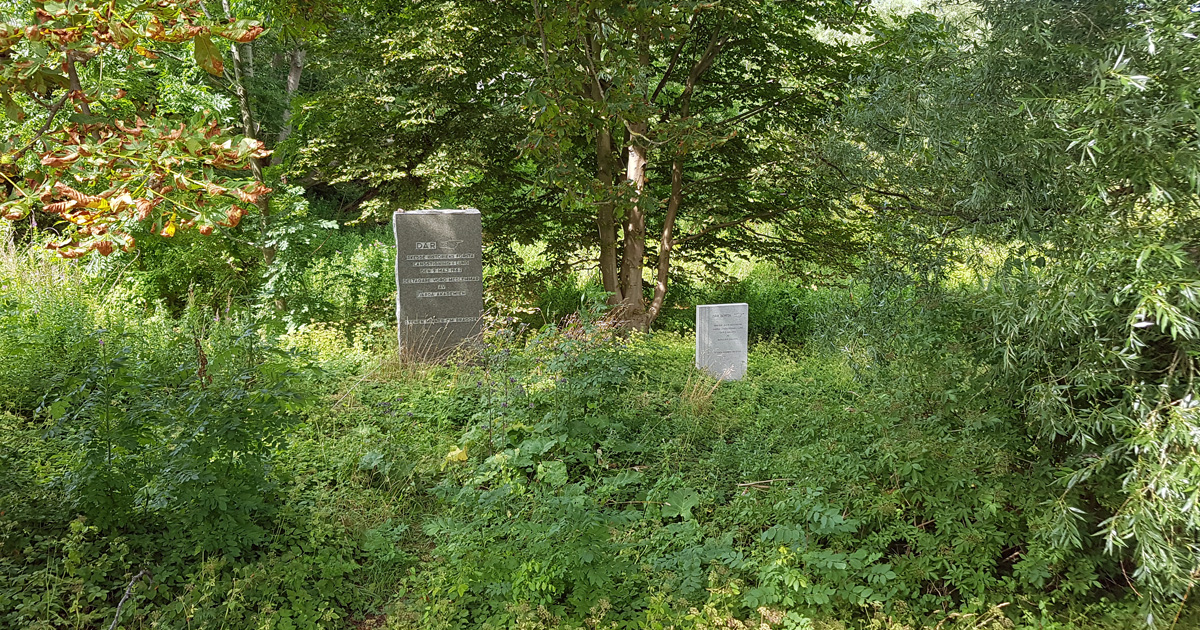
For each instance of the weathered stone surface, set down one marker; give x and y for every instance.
(721, 346)
(439, 279)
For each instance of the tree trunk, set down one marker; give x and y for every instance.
(250, 129)
(632, 306)
(295, 68)
(606, 220)
(667, 241)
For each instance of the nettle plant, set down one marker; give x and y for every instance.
(104, 159)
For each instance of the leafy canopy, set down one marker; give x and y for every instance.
(103, 159)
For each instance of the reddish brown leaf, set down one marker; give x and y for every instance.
(59, 207)
(241, 31)
(234, 217)
(252, 193)
(13, 210)
(75, 195)
(54, 161)
(9, 36)
(145, 207)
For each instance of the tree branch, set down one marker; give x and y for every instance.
(38, 136)
(764, 107)
(878, 191)
(674, 58)
(720, 226)
(128, 593)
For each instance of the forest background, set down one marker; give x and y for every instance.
(966, 231)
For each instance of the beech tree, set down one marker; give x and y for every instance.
(636, 134)
(103, 159)
(717, 98)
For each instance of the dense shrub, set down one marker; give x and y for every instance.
(541, 412)
(186, 269)
(781, 307)
(593, 476)
(350, 278)
(142, 442)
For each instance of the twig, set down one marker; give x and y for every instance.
(764, 481)
(125, 597)
(1127, 580)
(1185, 596)
(378, 366)
(675, 58)
(720, 226)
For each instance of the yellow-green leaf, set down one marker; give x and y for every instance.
(207, 55)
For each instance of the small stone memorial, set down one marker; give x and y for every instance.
(439, 279)
(721, 339)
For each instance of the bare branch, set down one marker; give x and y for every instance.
(128, 593)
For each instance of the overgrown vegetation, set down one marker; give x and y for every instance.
(557, 476)
(967, 234)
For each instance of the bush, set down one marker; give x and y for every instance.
(598, 474)
(781, 307)
(352, 281)
(542, 410)
(150, 442)
(181, 443)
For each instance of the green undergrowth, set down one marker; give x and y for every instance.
(243, 474)
(575, 478)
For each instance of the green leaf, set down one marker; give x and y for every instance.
(87, 119)
(553, 472)
(207, 55)
(680, 503)
(12, 110)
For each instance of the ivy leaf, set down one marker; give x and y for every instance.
(207, 55)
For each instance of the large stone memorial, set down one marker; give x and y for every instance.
(439, 279)
(721, 346)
